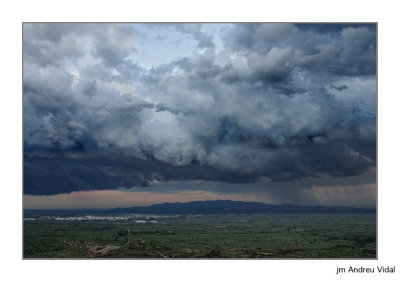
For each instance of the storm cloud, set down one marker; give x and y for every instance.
(252, 101)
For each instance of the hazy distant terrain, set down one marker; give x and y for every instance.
(220, 206)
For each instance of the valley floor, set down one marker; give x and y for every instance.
(269, 235)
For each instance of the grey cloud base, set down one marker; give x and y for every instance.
(280, 101)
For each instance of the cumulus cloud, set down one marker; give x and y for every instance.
(60, 43)
(204, 40)
(279, 101)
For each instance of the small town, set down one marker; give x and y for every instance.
(134, 217)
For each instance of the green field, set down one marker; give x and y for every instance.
(318, 235)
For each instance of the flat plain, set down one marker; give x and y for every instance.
(264, 235)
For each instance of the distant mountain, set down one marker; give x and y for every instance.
(210, 207)
(222, 206)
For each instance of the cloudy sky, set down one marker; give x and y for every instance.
(135, 114)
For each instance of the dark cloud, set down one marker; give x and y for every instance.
(333, 27)
(241, 36)
(339, 88)
(90, 88)
(76, 171)
(279, 102)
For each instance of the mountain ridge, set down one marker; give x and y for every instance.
(227, 206)
(214, 207)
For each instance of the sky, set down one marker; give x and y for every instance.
(118, 115)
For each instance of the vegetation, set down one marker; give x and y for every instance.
(267, 235)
